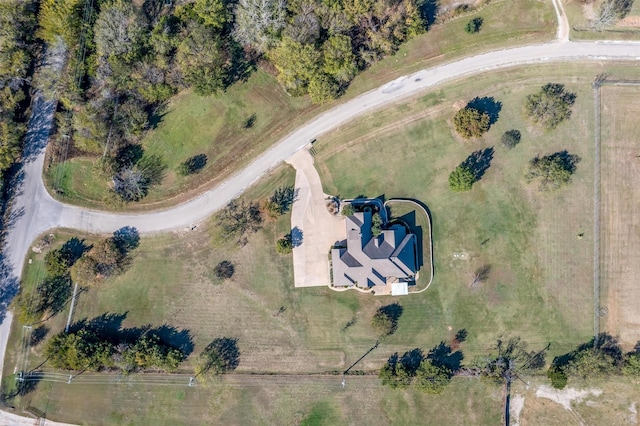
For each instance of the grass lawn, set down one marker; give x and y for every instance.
(216, 126)
(540, 286)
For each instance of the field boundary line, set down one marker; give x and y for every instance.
(600, 81)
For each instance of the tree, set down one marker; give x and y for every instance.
(432, 379)
(238, 219)
(281, 201)
(348, 210)
(510, 138)
(471, 122)
(550, 106)
(610, 12)
(224, 270)
(60, 18)
(322, 88)
(81, 350)
(552, 171)
(220, 356)
(118, 32)
(150, 352)
(504, 365)
(107, 257)
(285, 245)
(132, 183)
(461, 179)
(398, 372)
(385, 321)
(632, 365)
(213, 13)
(57, 262)
(473, 26)
(10, 146)
(258, 23)
(557, 376)
(203, 60)
(338, 58)
(297, 65)
(85, 271)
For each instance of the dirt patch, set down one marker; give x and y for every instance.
(517, 404)
(567, 396)
(630, 21)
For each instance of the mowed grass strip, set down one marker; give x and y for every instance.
(620, 247)
(218, 125)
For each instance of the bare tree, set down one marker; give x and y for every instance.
(480, 275)
(258, 23)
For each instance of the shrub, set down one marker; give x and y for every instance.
(557, 376)
(285, 245)
(461, 179)
(510, 138)
(348, 210)
(224, 270)
(192, 165)
(473, 26)
(471, 122)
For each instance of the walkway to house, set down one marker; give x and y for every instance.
(320, 229)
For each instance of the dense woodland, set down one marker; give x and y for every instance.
(126, 61)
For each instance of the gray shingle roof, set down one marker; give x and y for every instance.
(368, 261)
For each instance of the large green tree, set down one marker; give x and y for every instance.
(550, 106)
(552, 171)
(461, 179)
(471, 122)
(432, 379)
(81, 350)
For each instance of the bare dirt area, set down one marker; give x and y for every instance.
(620, 222)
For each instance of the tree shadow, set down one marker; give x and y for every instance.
(107, 325)
(411, 360)
(39, 128)
(570, 161)
(429, 11)
(129, 155)
(74, 248)
(296, 236)
(227, 350)
(157, 115)
(488, 105)
(393, 312)
(479, 162)
(179, 339)
(196, 163)
(38, 334)
(442, 355)
(249, 122)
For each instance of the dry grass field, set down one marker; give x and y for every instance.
(620, 220)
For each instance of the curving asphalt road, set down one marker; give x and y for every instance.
(36, 211)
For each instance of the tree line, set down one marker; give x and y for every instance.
(133, 59)
(18, 50)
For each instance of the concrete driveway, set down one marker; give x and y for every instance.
(320, 229)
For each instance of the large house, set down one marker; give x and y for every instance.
(368, 261)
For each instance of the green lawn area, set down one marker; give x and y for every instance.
(215, 126)
(539, 288)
